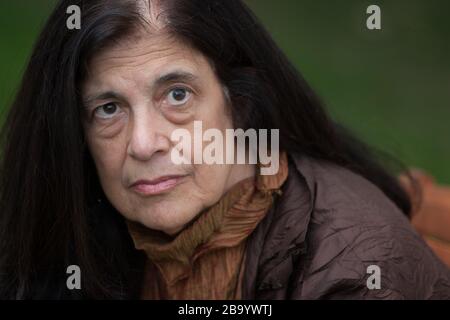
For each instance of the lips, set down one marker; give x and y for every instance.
(156, 186)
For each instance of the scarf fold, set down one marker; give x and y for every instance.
(205, 260)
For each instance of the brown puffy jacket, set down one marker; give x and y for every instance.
(324, 233)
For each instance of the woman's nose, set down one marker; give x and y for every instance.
(148, 135)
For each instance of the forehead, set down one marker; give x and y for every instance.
(143, 56)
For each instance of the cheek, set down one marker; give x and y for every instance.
(109, 158)
(210, 191)
(211, 180)
(217, 115)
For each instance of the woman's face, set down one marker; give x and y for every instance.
(136, 94)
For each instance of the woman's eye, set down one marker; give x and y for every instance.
(107, 111)
(178, 96)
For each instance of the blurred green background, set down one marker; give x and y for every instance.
(390, 86)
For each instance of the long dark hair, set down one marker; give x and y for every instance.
(53, 213)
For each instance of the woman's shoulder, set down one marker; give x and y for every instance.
(355, 232)
(342, 196)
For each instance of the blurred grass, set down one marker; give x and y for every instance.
(20, 23)
(392, 87)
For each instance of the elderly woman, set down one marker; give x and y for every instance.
(88, 176)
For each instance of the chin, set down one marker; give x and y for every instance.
(167, 219)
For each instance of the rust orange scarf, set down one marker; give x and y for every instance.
(206, 259)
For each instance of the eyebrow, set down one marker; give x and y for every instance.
(175, 76)
(103, 96)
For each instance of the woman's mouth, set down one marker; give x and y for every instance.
(156, 186)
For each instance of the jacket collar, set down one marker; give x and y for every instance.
(280, 237)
